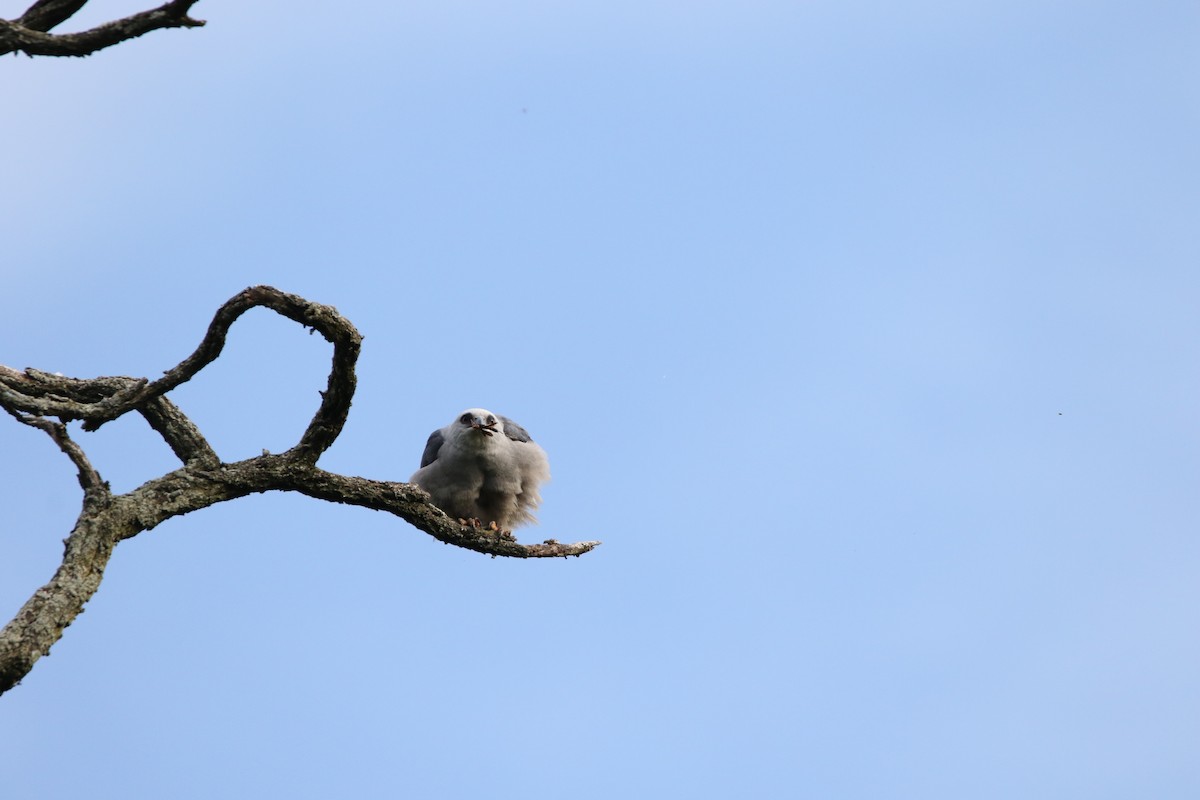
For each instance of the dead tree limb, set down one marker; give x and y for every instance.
(29, 33)
(47, 402)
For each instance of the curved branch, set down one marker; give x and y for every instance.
(28, 33)
(102, 400)
(41, 621)
(335, 402)
(32, 396)
(95, 490)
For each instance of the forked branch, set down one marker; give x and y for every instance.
(29, 33)
(34, 397)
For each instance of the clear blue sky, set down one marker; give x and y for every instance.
(865, 336)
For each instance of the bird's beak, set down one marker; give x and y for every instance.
(479, 425)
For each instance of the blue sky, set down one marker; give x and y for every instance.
(864, 335)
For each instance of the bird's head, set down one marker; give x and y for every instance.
(481, 420)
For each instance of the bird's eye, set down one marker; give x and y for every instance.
(465, 419)
(491, 420)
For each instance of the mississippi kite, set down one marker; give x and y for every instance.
(483, 466)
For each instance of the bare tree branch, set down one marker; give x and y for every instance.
(28, 33)
(94, 488)
(41, 621)
(179, 433)
(46, 14)
(33, 396)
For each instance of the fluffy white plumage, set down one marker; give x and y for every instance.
(484, 466)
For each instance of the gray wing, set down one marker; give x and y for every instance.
(514, 431)
(431, 448)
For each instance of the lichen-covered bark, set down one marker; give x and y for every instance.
(44, 617)
(35, 398)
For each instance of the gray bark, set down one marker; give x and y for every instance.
(48, 402)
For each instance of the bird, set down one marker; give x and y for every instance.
(484, 469)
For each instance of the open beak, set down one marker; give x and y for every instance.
(484, 428)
